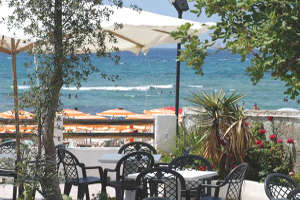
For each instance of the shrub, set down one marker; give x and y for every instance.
(189, 141)
(268, 156)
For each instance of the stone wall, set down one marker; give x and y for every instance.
(286, 125)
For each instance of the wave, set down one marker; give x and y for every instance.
(22, 87)
(110, 88)
(196, 86)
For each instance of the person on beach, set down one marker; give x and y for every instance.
(255, 106)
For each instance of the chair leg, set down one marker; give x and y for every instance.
(118, 194)
(80, 193)
(67, 188)
(122, 194)
(21, 190)
(15, 190)
(87, 193)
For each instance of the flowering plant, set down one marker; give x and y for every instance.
(268, 156)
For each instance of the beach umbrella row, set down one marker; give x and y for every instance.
(75, 114)
(113, 113)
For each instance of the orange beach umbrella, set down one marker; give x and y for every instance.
(118, 112)
(79, 115)
(10, 114)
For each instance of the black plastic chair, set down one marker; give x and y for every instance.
(234, 179)
(137, 146)
(10, 147)
(71, 164)
(279, 186)
(193, 162)
(162, 182)
(129, 164)
(294, 194)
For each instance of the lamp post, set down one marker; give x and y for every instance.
(180, 6)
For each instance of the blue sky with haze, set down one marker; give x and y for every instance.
(164, 7)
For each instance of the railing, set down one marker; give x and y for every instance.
(89, 134)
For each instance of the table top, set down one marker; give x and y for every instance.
(115, 157)
(188, 175)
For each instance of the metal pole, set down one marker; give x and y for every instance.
(177, 81)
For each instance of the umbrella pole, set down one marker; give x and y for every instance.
(16, 106)
(177, 82)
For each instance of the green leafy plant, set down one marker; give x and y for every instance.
(189, 141)
(297, 178)
(225, 138)
(268, 156)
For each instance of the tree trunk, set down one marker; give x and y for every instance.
(50, 183)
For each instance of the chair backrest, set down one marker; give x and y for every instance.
(190, 162)
(10, 147)
(137, 146)
(70, 164)
(155, 198)
(193, 162)
(235, 180)
(161, 182)
(133, 163)
(294, 195)
(278, 186)
(58, 161)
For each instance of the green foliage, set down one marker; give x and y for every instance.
(267, 30)
(102, 196)
(66, 31)
(188, 140)
(66, 197)
(267, 156)
(224, 136)
(297, 178)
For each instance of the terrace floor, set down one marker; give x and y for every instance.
(251, 191)
(6, 191)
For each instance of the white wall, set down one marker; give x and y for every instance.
(165, 132)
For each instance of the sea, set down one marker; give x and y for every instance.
(148, 81)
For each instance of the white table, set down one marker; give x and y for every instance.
(115, 157)
(188, 175)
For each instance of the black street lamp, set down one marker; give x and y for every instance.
(180, 5)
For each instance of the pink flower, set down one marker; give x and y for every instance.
(258, 141)
(261, 145)
(262, 131)
(270, 118)
(247, 124)
(273, 137)
(279, 141)
(290, 141)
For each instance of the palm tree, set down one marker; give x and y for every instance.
(225, 138)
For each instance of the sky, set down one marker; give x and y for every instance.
(164, 7)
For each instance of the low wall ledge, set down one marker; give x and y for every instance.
(273, 113)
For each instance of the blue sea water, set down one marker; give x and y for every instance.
(148, 81)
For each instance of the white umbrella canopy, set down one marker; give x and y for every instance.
(142, 30)
(13, 40)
